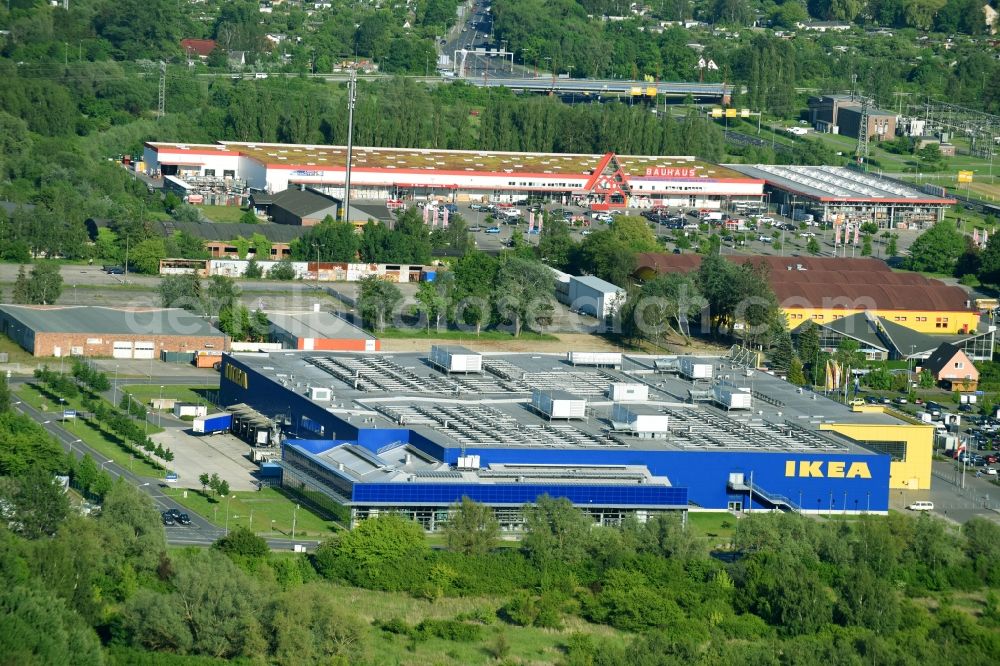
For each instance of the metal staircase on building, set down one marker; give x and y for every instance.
(739, 483)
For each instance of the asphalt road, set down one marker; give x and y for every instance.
(199, 533)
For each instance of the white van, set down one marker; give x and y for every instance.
(921, 506)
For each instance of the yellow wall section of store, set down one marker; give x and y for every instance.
(913, 473)
(921, 321)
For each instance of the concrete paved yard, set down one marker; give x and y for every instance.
(195, 455)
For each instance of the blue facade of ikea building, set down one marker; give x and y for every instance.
(810, 482)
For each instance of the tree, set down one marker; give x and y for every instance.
(782, 354)
(890, 248)
(146, 254)
(220, 292)
(328, 241)
(309, 626)
(43, 286)
(930, 157)
(133, 525)
(4, 394)
(283, 270)
(555, 244)
(937, 249)
(523, 293)
(22, 288)
(38, 628)
(662, 306)
(812, 246)
(376, 301)
(242, 543)
(223, 488)
(253, 271)
(382, 540)
(475, 276)
(989, 262)
(795, 373)
(555, 530)
(472, 528)
(434, 298)
(925, 379)
(37, 502)
(181, 291)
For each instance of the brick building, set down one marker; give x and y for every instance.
(79, 330)
(841, 114)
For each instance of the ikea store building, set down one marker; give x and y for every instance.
(615, 434)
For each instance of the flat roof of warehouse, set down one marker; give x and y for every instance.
(304, 157)
(832, 184)
(492, 408)
(100, 319)
(317, 325)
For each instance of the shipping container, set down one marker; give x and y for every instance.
(213, 423)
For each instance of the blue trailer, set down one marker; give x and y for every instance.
(213, 423)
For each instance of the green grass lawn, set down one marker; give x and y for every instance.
(528, 645)
(469, 336)
(144, 393)
(272, 511)
(718, 528)
(105, 443)
(222, 213)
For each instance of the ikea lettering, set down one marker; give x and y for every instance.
(671, 172)
(236, 376)
(833, 469)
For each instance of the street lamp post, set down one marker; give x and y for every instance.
(105, 463)
(229, 501)
(159, 411)
(115, 398)
(295, 515)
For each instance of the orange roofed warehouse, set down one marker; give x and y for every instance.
(601, 181)
(825, 289)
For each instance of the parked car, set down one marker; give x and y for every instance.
(989, 471)
(493, 230)
(788, 226)
(184, 519)
(476, 206)
(765, 220)
(899, 401)
(173, 513)
(921, 506)
(764, 239)
(168, 520)
(116, 270)
(451, 208)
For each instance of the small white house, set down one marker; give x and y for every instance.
(594, 296)
(194, 410)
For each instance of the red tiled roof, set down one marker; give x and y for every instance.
(200, 47)
(832, 283)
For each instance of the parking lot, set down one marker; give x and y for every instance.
(194, 455)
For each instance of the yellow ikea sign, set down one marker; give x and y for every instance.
(833, 469)
(236, 376)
